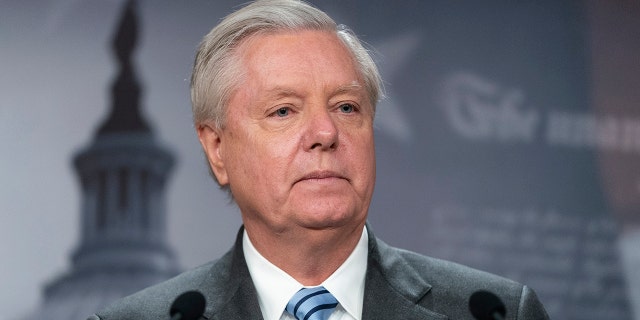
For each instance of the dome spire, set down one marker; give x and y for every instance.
(125, 113)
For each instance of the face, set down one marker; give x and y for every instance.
(297, 147)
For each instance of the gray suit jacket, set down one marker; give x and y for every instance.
(399, 285)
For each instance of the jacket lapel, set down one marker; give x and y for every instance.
(229, 290)
(393, 289)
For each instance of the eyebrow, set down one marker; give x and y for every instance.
(349, 88)
(279, 92)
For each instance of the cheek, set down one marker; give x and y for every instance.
(270, 163)
(361, 155)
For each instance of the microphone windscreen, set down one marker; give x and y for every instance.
(190, 305)
(484, 305)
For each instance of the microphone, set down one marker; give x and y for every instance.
(188, 306)
(485, 305)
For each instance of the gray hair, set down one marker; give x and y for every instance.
(216, 70)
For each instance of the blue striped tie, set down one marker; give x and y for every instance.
(312, 304)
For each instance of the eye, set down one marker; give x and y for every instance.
(282, 112)
(346, 108)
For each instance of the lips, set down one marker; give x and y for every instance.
(322, 175)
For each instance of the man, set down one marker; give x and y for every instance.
(284, 102)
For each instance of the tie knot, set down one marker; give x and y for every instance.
(312, 304)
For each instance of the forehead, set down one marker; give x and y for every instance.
(312, 53)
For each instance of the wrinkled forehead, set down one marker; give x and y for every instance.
(264, 49)
(295, 57)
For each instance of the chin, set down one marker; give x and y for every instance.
(330, 216)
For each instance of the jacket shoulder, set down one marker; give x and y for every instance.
(440, 273)
(154, 302)
(449, 285)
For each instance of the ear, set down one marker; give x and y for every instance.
(210, 139)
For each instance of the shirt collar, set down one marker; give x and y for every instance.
(347, 282)
(275, 287)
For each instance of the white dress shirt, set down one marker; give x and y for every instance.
(275, 287)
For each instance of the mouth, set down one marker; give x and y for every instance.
(322, 176)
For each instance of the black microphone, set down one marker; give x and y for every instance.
(485, 305)
(188, 306)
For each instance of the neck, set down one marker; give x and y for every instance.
(310, 256)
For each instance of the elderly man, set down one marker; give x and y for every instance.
(284, 102)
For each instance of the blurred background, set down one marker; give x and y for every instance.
(509, 141)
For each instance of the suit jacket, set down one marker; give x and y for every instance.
(399, 285)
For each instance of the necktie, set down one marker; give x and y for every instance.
(312, 304)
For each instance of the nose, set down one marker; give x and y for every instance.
(321, 132)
